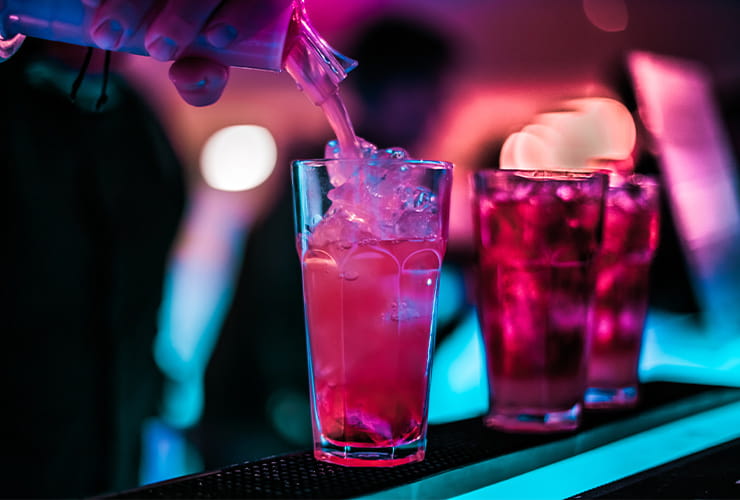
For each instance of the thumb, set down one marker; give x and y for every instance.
(199, 81)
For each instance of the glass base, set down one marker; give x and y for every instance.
(356, 456)
(601, 398)
(535, 421)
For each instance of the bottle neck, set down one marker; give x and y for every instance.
(314, 65)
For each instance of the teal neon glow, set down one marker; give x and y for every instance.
(674, 350)
(196, 300)
(619, 459)
(459, 388)
(677, 348)
(166, 453)
(198, 290)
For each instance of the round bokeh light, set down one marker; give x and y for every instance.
(238, 157)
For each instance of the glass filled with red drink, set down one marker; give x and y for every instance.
(371, 235)
(538, 233)
(631, 226)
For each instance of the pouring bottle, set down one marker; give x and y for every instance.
(281, 37)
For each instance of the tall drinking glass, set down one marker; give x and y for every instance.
(537, 235)
(371, 235)
(631, 225)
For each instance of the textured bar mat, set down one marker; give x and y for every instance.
(461, 456)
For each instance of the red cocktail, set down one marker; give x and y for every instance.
(537, 236)
(371, 265)
(630, 238)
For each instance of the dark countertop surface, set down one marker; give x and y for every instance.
(464, 456)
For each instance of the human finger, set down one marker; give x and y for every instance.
(199, 81)
(176, 26)
(227, 24)
(115, 21)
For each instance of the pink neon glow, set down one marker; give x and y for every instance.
(693, 148)
(699, 177)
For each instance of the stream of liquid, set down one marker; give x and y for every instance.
(312, 65)
(338, 117)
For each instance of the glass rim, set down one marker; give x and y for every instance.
(543, 174)
(321, 162)
(641, 180)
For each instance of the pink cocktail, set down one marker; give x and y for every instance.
(371, 253)
(537, 236)
(631, 223)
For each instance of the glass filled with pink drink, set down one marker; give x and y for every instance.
(631, 225)
(371, 235)
(538, 233)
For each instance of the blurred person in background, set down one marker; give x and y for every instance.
(402, 82)
(92, 201)
(93, 198)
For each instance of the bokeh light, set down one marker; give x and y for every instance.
(238, 157)
(607, 15)
(592, 129)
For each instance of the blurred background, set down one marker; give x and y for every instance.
(447, 80)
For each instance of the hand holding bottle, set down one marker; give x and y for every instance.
(175, 26)
(204, 38)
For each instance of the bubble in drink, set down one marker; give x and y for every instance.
(413, 224)
(417, 199)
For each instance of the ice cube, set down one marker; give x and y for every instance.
(540, 219)
(520, 192)
(608, 279)
(630, 323)
(341, 171)
(566, 192)
(415, 225)
(623, 199)
(568, 310)
(376, 199)
(345, 194)
(605, 324)
(332, 149)
(381, 180)
(540, 209)
(376, 428)
(416, 198)
(392, 154)
(343, 225)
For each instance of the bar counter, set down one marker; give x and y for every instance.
(682, 427)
